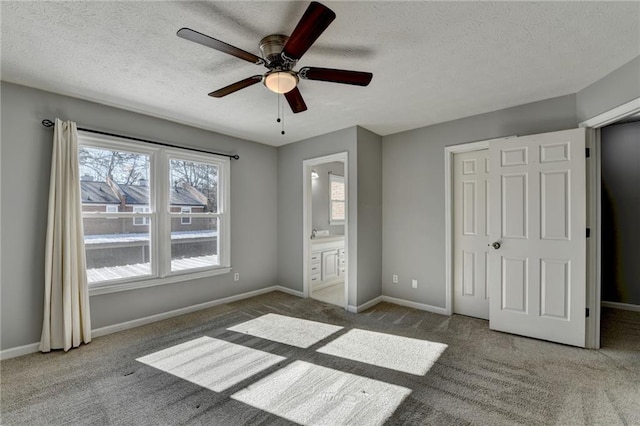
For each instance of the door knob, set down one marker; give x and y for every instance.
(495, 245)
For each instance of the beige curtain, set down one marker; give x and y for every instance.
(66, 321)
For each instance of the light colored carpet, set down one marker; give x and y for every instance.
(312, 395)
(399, 353)
(283, 329)
(483, 377)
(214, 364)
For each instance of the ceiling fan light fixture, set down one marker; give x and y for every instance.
(281, 81)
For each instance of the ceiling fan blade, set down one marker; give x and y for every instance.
(315, 20)
(236, 86)
(336, 76)
(205, 40)
(295, 101)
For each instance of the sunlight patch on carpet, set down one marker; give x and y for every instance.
(399, 353)
(291, 331)
(313, 395)
(211, 363)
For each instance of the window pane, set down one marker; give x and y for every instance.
(116, 249)
(337, 190)
(194, 184)
(194, 245)
(337, 210)
(113, 178)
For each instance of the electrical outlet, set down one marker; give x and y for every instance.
(395, 279)
(236, 276)
(414, 283)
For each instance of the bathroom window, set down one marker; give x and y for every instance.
(337, 201)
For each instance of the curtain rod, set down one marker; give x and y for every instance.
(49, 123)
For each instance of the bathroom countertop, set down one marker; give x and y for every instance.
(327, 238)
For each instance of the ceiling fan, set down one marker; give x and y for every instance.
(280, 54)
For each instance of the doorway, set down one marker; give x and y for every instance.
(325, 236)
(625, 112)
(619, 155)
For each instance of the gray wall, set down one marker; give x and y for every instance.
(290, 199)
(320, 194)
(26, 156)
(617, 88)
(620, 213)
(413, 224)
(369, 215)
(364, 200)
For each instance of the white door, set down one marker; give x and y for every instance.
(470, 233)
(537, 275)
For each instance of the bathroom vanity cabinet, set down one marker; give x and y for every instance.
(327, 265)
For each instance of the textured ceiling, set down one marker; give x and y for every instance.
(431, 61)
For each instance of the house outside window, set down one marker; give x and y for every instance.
(167, 210)
(336, 200)
(185, 220)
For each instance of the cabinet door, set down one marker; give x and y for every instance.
(329, 265)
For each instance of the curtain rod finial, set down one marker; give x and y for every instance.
(48, 123)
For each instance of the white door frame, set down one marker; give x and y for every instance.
(594, 284)
(449, 152)
(307, 224)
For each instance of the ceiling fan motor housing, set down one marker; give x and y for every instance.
(271, 47)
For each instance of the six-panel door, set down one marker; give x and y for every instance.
(537, 278)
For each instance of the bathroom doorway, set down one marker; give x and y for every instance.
(326, 222)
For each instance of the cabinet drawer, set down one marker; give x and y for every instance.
(315, 269)
(315, 278)
(315, 258)
(341, 252)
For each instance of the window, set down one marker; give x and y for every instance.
(111, 209)
(141, 221)
(170, 208)
(185, 220)
(336, 200)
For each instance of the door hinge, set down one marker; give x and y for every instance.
(587, 152)
(588, 232)
(587, 312)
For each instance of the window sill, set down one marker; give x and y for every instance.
(145, 282)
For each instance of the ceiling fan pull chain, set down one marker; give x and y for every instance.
(282, 132)
(278, 119)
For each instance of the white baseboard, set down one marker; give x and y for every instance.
(102, 331)
(415, 305)
(624, 306)
(288, 291)
(364, 306)
(19, 351)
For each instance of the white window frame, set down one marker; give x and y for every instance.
(160, 218)
(144, 220)
(185, 220)
(339, 179)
